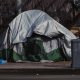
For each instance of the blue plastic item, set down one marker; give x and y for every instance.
(3, 61)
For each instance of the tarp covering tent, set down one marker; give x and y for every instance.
(18, 39)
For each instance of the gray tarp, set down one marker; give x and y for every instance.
(40, 23)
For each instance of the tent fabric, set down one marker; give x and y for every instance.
(36, 21)
(34, 50)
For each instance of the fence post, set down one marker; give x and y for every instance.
(19, 2)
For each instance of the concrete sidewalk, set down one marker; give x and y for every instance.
(39, 71)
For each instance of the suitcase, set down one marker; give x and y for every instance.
(75, 49)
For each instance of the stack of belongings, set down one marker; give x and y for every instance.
(75, 30)
(34, 36)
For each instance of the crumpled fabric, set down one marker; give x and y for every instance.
(40, 23)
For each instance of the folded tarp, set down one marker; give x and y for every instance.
(35, 21)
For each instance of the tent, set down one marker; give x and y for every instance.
(34, 36)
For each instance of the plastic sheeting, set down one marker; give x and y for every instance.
(36, 21)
